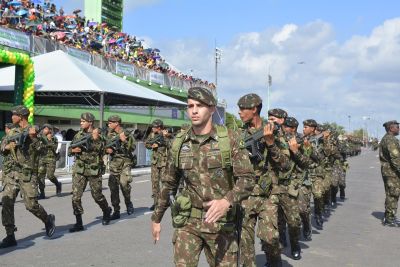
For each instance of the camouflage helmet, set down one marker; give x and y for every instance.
(278, 113)
(157, 123)
(47, 125)
(322, 128)
(249, 101)
(114, 118)
(310, 123)
(388, 123)
(202, 95)
(291, 122)
(20, 111)
(87, 116)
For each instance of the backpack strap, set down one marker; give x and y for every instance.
(225, 148)
(176, 146)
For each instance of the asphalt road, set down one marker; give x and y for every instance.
(352, 236)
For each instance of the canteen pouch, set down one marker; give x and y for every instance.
(180, 211)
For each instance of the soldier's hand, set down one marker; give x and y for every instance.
(49, 136)
(10, 146)
(96, 134)
(306, 142)
(156, 230)
(165, 132)
(76, 150)
(123, 137)
(269, 133)
(216, 209)
(109, 150)
(293, 146)
(154, 145)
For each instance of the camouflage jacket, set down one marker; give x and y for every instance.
(316, 165)
(24, 158)
(123, 149)
(389, 155)
(200, 165)
(48, 148)
(7, 160)
(159, 154)
(88, 162)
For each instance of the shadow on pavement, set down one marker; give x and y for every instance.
(378, 214)
(260, 261)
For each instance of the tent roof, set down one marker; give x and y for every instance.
(57, 73)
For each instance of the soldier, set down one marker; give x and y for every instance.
(343, 148)
(47, 160)
(301, 184)
(120, 145)
(288, 204)
(262, 205)
(316, 171)
(218, 175)
(88, 149)
(21, 176)
(7, 160)
(389, 155)
(158, 143)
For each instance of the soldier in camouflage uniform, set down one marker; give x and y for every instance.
(343, 149)
(389, 155)
(120, 146)
(158, 142)
(7, 160)
(218, 175)
(21, 176)
(288, 211)
(87, 169)
(262, 205)
(316, 170)
(301, 184)
(47, 160)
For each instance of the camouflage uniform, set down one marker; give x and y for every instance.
(389, 155)
(21, 176)
(120, 170)
(199, 162)
(47, 163)
(158, 160)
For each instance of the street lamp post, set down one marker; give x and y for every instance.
(348, 116)
(269, 84)
(218, 53)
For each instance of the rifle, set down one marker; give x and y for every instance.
(84, 142)
(254, 146)
(19, 139)
(158, 139)
(316, 139)
(115, 142)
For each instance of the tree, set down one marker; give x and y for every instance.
(232, 122)
(360, 133)
(335, 127)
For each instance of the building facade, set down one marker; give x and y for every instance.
(108, 11)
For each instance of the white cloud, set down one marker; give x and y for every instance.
(358, 77)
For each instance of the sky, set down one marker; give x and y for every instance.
(334, 61)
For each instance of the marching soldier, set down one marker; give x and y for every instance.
(218, 175)
(88, 149)
(120, 146)
(389, 155)
(7, 160)
(262, 204)
(157, 141)
(22, 146)
(47, 160)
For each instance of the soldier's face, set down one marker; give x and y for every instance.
(394, 129)
(45, 131)
(85, 124)
(247, 114)
(289, 130)
(15, 119)
(112, 124)
(276, 120)
(307, 130)
(199, 113)
(156, 129)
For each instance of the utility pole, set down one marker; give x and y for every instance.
(269, 84)
(218, 53)
(348, 116)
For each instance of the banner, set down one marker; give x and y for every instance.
(14, 39)
(125, 69)
(157, 77)
(79, 54)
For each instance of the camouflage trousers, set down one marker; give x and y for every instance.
(304, 199)
(318, 191)
(46, 169)
(14, 182)
(265, 210)
(328, 179)
(220, 247)
(79, 183)
(156, 175)
(120, 176)
(392, 191)
(336, 175)
(342, 177)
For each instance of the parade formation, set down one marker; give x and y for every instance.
(224, 186)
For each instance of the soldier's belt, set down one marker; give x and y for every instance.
(201, 214)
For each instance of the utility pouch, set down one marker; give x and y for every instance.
(180, 211)
(26, 175)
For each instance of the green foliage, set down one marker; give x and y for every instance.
(335, 127)
(232, 122)
(359, 133)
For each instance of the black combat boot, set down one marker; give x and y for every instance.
(295, 248)
(319, 222)
(58, 188)
(275, 261)
(42, 195)
(333, 196)
(50, 225)
(129, 208)
(388, 222)
(307, 231)
(116, 215)
(8, 241)
(342, 193)
(78, 226)
(106, 216)
(282, 239)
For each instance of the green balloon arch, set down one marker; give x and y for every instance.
(21, 59)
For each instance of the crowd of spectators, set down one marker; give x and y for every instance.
(43, 18)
